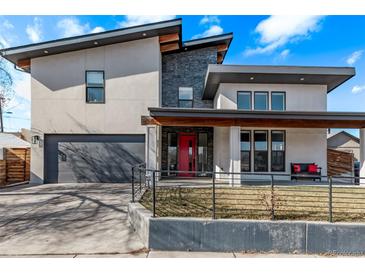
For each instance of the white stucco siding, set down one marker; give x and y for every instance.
(58, 90)
(298, 97)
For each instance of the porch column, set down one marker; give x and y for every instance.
(362, 155)
(151, 147)
(235, 154)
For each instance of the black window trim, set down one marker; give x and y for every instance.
(267, 149)
(271, 149)
(94, 86)
(278, 92)
(197, 148)
(267, 100)
(185, 100)
(245, 91)
(249, 151)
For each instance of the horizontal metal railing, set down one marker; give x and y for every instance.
(252, 195)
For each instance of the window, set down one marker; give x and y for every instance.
(185, 97)
(171, 152)
(244, 100)
(261, 100)
(95, 87)
(202, 153)
(277, 150)
(245, 151)
(261, 152)
(277, 100)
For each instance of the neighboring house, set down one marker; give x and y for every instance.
(104, 102)
(344, 141)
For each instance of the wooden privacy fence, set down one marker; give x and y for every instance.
(339, 163)
(15, 167)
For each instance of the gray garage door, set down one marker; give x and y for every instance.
(92, 157)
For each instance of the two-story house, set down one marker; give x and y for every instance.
(104, 102)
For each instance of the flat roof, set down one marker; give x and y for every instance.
(15, 54)
(232, 117)
(332, 77)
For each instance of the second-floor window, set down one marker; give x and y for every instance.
(244, 100)
(261, 100)
(277, 100)
(95, 90)
(186, 97)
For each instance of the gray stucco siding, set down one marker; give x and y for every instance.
(186, 69)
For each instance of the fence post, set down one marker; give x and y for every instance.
(132, 184)
(153, 194)
(330, 199)
(272, 198)
(213, 196)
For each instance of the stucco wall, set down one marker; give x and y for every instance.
(132, 84)
(298, 97)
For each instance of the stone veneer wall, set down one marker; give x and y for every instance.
(166, 130)
(186, 69)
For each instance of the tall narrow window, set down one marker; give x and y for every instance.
(277, 150)
(202, 153)
(261, 152)
(245, 151)
(95, 87)
(277, 100)
(172, 152)
(186, 97)
(244, 100)
(261, 100)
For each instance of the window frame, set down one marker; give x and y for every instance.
(278, 92)
(267, 150)
(169, 134)
(267, 100)
(284, 150)
(94, 86)
(185, 100)
(202, 173)
(249, 151)
(244, 91)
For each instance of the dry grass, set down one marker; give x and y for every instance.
(250, 202)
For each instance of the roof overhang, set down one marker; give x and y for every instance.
(168, 31)
(222, 42)
(329, 76)
(279, 119)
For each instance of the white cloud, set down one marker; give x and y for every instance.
(354, 57)
(72, 27)
(97, 29)
(278, 30)
(358, 89)
(285, 53)
(213, 30)
(212, 19)
(34, 31)
(6, 24)
(135, 20)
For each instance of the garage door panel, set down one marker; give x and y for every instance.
(93, 158)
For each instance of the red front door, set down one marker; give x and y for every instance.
(187, 151)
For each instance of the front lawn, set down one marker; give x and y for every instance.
(253, 202)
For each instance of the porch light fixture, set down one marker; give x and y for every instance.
(46, 51)
(144, 34)
(252, 78)
(185, 48)
(301, 79)
(35, 139)
(96, 43)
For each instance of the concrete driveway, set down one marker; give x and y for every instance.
(66, 219)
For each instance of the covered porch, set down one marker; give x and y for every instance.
(234, 121)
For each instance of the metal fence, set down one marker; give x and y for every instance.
(251, 195)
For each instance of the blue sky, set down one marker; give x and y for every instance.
(270, 40)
